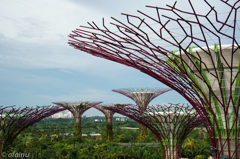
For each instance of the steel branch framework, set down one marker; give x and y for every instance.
(77, 109)
(14, 120)
(109, 115)
(142, 97)
(171, 124)
(207, 76)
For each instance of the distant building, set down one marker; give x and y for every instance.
(122, 119)
(56, 116)
(66, 115)
(63, 114)
(70, 115)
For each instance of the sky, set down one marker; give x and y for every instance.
(37, 67)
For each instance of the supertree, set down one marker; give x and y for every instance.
(13, 120)
(206, 76)
(170, 123)
(77, 109)
(109, 115)
(142, 97)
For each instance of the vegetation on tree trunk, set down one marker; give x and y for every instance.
(142, 133)
(78, 128)
(109, 130)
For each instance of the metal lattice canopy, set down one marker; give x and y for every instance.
(171, 124)
(108, 113)
(142, 96)
(204, 69)
(77, 109)
(13, 120)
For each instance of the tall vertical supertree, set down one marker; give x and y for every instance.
(109, 115)
(203, 69)
(170, 123)
(14, 119)
(77, 109)
(142, 97)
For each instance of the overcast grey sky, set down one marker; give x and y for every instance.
(37, 67)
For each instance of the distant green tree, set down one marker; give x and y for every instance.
(89, 125)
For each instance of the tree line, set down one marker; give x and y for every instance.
(46, 139)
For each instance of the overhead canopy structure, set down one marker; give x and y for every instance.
(218, 80)
(142, 97)
(191, 73)
(13, 120)
(77, 109)
(171, 124)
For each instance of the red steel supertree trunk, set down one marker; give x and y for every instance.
(142, 97)
(77, 109)
(171, 124)
(203, 69)
(109, 115)
(14, 120)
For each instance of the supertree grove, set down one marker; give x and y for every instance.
(204, 69)
(171, 124)
(13, 120)
(142, 97)
(109, 115)
(77, 109)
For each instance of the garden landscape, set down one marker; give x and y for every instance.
(187, 52)
(50, 138)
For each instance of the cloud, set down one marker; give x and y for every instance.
(66, 71)
(19, 55)
(38, 67)
(41, 21)
(33, 34)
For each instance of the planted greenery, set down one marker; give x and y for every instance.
(216, 106)
(59, 146)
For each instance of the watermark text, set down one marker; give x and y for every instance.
(14, 154)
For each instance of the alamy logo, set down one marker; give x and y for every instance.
(11, 155)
